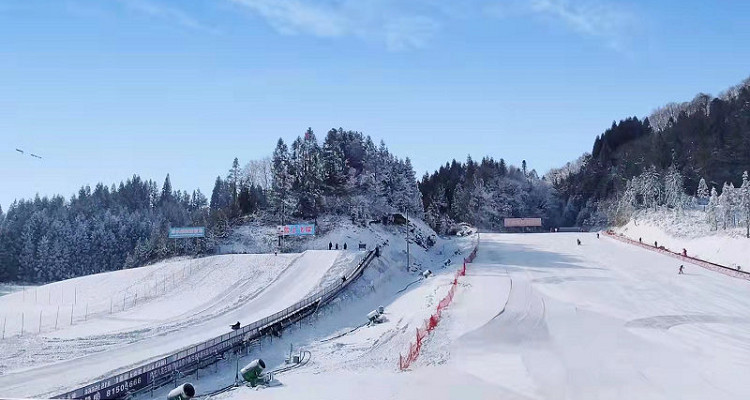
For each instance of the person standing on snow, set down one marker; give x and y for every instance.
(680, 272)
(330, 245)
(578, 241)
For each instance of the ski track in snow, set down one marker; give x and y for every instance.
(538, 317)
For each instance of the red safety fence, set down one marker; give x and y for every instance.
(430, 323)
(683, 256)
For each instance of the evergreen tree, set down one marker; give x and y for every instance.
(233, 180)
(166, 191)
(308, 181)
(335, 169)
(198, 200)
(281, 182)
(221, 196)
(702, 193)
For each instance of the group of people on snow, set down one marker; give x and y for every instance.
(330, 246)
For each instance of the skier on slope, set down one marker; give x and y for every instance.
(681, 271)
(578, 241)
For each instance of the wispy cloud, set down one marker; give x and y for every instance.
(411, 24)
(165, 12)
(408, 24)
(596, 18)
(605, 20)
(400, 25)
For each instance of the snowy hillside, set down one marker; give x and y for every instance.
(336, 336)
(536, 317)
(689, 230)
(126, 317)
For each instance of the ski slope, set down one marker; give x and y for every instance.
(538, 317)
(207, 296)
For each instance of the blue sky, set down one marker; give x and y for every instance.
(105, 89)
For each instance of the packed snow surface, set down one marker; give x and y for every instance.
(536, 317)
(127, 317)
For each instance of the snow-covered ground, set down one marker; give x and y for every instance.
(8, 289)
(126, 318)
(198, 300)
(690, 231)
(536, 317)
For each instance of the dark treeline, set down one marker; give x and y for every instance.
(484, 193)
(97, 230)
(113, 227)
(705, 138)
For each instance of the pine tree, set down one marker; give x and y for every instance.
(233, 180)
(308, 181)
(673, 190)
(702, 193)
(166, 191)
(198, 200)
(745, 202)
(335, 170)
(221, 197)
(281, 183)
(725, 205)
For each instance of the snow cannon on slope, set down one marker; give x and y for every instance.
(253, 373)
(185, 391)
(426, 273)
(376, 316)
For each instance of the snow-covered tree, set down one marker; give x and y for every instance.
(233, 180)
(258, 173)
(702, 193)
(308, 175)
(726, 203)
(281, 185)
(712, 209)
(745, 202)
(673, 190)
(651, 187)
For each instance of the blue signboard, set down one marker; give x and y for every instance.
(296, 230)
(187, 232)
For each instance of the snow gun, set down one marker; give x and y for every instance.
(253, 373)
(185, 391)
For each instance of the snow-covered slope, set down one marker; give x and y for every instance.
(536, 317)
(202, 298)
(689, 231)
(335, 336)
(166, 306)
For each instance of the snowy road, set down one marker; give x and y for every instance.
(295, 282)
(538, 317)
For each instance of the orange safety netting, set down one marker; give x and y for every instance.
(430, 323)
